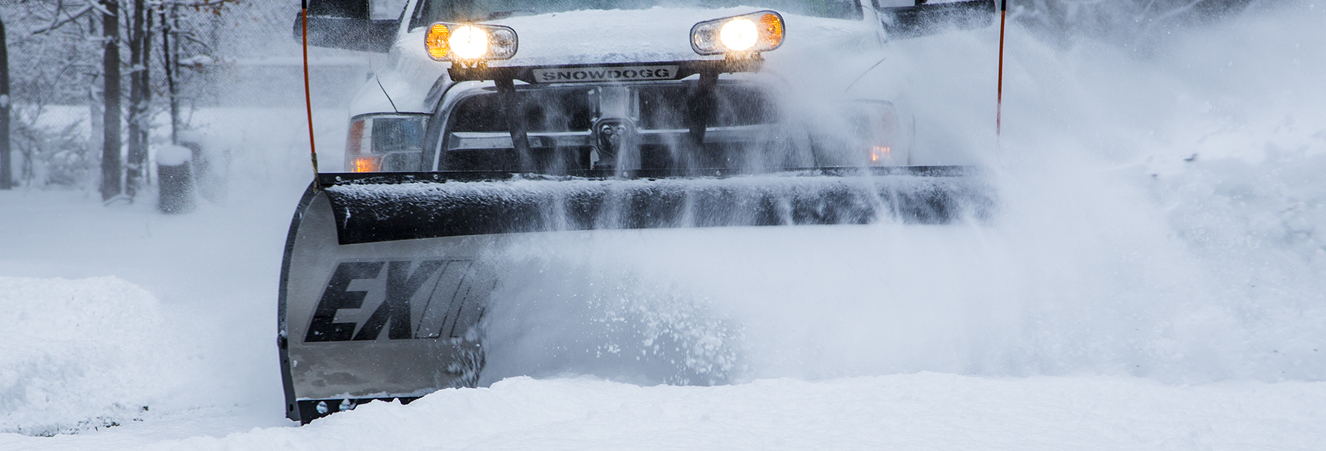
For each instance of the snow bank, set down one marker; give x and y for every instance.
(79, 354)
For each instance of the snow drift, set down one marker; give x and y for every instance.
(79, 354)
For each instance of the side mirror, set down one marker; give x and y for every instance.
(925, 19)
(346, 24)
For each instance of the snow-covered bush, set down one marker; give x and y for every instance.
(52, 147)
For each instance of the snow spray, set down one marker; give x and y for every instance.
(1113, 253)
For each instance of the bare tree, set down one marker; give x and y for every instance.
(139, 96)
(68, 49)
(6, 173)
(170, 53)
(110, 66)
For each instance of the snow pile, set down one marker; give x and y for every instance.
(79, 354)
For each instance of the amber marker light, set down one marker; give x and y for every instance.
(367, 164)
(879, 154)
(771, 30)
(437, 41)
(354, 146)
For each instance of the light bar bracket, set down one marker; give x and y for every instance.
(684, 69)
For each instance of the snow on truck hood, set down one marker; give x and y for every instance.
(615, 36)
(656, 34)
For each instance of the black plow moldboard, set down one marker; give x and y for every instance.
(404, 207)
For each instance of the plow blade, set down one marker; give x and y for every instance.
(386, 276)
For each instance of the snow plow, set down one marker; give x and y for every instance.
(388, 268)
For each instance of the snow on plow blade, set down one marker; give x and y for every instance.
(386, 276)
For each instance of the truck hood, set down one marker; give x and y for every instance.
(617, 36)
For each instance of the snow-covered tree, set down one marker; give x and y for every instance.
(62, 51)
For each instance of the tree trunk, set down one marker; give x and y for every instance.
(110, 65)
(95, 108)
(170, 56)
(137, 161)
(6, 172)
(146, 117)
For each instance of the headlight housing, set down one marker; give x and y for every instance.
(739, 35)
(470, 43)
(385, 143)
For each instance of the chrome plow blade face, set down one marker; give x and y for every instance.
(381, 320)
(387, 277)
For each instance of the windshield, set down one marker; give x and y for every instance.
(431, 11)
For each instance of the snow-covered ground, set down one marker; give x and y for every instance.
(916, 411)
(1156, 279)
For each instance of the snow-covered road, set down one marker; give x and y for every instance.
(918, 411)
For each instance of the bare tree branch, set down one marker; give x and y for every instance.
(94, 4)
(60, 22)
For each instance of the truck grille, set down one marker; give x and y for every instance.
(570, 108)
(559, 121)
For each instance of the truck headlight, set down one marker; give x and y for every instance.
(739, 35)
(385, 143)
(470, 43)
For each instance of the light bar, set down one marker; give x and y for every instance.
(739, 35)
(468, 44)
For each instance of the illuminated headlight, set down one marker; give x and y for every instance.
(746, 34)
(470, 43)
